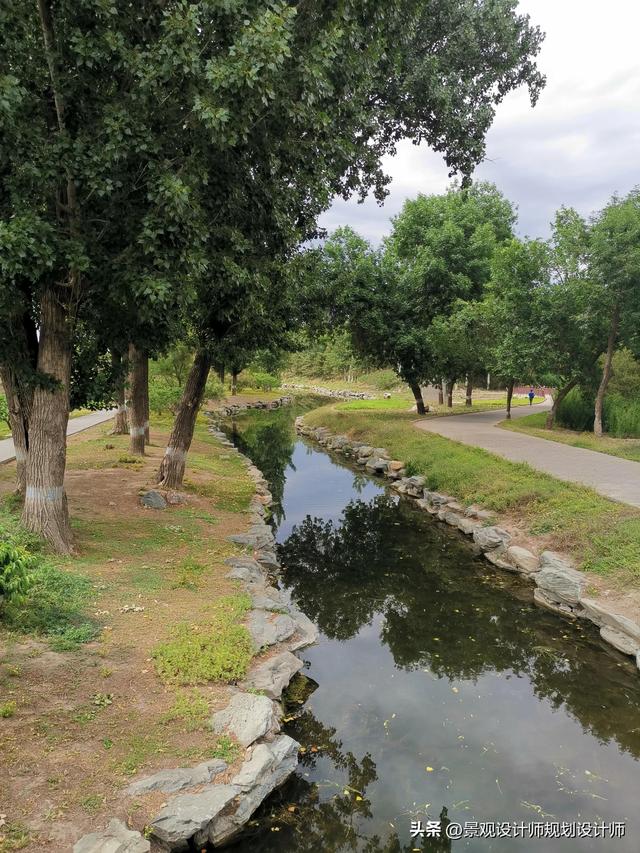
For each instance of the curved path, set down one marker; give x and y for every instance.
(7, 452)
(610, 476)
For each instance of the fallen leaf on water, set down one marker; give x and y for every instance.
(429, 769)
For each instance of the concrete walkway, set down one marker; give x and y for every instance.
(7, 452)
(610, 476)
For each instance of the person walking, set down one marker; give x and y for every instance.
(531, 395)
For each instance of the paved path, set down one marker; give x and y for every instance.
(610, 476)
(7, 452)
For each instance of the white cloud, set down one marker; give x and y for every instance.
(577, 147)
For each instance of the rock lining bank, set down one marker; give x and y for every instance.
(205, 811)
(231, 409)
(321, 391)
(559, 586)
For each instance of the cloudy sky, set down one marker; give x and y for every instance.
(579, 145)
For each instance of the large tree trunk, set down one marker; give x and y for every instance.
(121, 421)
(145, 396)
(606, 372)
(553, 411)
(45, 508)
(138, 394)
(220, 372)
(509, 397)
(172, 468)
(19, 401)
(417, 393)
(440, 396)
(450, 394)
(469, 398)
(234, 383)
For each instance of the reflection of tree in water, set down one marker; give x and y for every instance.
(330, 816)
(456, 615)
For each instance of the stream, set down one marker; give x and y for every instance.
(437, 691)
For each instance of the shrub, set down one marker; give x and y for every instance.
(16, 574)
(4, 410)
(576, 411)
(214, 389)
(620, 415)
(163, 396)
(262, 381)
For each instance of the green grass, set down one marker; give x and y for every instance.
(624, 448)
(603, 536)
(192, 709)
(404, 403)
(219, 650)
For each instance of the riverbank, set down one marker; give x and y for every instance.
(112, 669)
(600, 537)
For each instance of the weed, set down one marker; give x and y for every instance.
(191, 708)
(102, 700)
(189, 571)
(138, 750)
(13, 836)
(105, 672)
(218, 651)
(7, 709)
(92, 803)
(225, 749)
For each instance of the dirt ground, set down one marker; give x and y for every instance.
(90, 720)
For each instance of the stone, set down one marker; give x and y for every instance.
(455, 506)
(267, 628)
(273, 675)
(269, 598)
(154, 500)
(242, 539)
(267, 559)
(601, 615)
(544, 601)
(365, 451)
(247, 717)
(177, 498)
(496, 557)
(179, 778)
(306, 628)
(523, 560)
(248, 571)
(451, 518)
(436, 498)
(488, 538)
(559, 581)
(467, 526)
(416, 482)
(267, 768)
(376, 465)
(116, 838)
(622, 642)
(190, 814)
(395, 465)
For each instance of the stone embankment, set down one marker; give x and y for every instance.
(230, 409)
(206, 811)
(559, 586)
(321, 391)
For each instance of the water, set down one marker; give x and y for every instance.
(442, 692)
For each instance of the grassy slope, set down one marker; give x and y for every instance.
(604, 536)
(123, 691)
(625, 448)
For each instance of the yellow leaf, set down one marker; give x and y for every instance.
(429, 769)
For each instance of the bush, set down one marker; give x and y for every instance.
(163, 396)
(262, 381)
(620, 415)
(214, 389)
(16, 574)
(4, 410)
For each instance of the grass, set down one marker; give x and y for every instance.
(624, 448)
(603, 536)
(219, 650)
(403, 402)
(191, 709)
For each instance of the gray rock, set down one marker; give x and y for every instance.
(154, 500)
(267, 628)
(269, 598)
(544, 601)
(467, 525)
(601, 615)
(191, 815)
(376, 465)
(455, 506)
(559, 581)
(622, 642)
(267, 559)
(451, 518)
(248, 571)
(116, 838)
(365, 451)
(273, 675)
(247, 717)
(436, 498)
(307, 630)
(267, 768)
(488, 538)
(171, 781)
(497, 558)
(417, 481)
(522, 559)
(242, 539)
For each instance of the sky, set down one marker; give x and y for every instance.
(579, 145)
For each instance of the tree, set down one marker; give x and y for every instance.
(519, 270)
(120, 124)
(615, 258)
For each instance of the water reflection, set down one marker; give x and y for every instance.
(443, 692)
